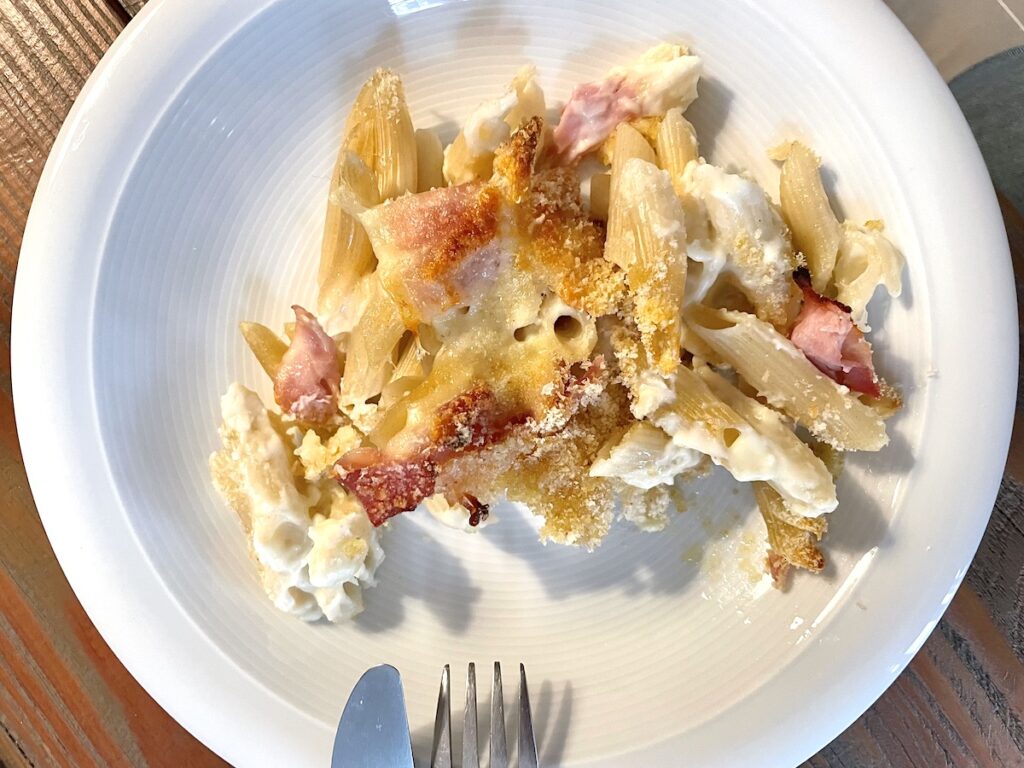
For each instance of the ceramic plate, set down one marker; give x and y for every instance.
(186, 193)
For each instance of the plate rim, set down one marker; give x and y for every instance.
(165, 29)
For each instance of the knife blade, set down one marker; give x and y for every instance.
(374, 728)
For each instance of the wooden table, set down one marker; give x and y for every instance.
(66, 700)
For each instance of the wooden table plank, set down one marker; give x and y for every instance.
(64, 697)
(66, 700)
(132, 7)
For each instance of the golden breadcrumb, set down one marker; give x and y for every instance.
(515, 158)
(595, 286)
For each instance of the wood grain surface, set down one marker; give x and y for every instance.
(65, 700)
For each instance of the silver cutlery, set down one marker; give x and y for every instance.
(374, 729)
(441, 754)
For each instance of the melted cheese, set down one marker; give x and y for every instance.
(749, 241)
(645, 457)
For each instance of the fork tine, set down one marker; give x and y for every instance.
(499, 747)
(470, 753)
(527, 743)
(441, 755)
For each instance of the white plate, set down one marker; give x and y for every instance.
(185, 193)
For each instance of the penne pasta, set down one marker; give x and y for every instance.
(788, 380)
(411, 367)
(676, 144)
(379, 130)
(805, 206)
(800, 477)
(696, 346)
(699, 420)
(368, 364)
(265, 345)
(629, 145)
(345, 252)
(794, 545)
(645, 126)
(653, 254)
(429, 160)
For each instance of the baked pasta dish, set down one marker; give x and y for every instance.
(579, 315)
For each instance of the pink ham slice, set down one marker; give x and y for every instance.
(825, 332)
(591, 114)
(307, 382)
(665, 76)
(438, 249)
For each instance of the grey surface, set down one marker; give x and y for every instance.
(991, 95)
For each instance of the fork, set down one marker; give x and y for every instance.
(441, 755)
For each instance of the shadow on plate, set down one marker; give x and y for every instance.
(418, 567)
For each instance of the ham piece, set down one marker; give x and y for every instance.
(387, 485)
(825, 332)
(308, 379)
(665, 76)
(591, 114)
(386, 488)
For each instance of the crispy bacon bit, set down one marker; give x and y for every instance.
(469, 422)
(308, 380)
(825, 332)
(478, 511)
(591, 114)
(388, 487)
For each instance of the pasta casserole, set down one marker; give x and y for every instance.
(578, 315)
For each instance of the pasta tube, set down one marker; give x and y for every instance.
(379, 130)
(368, 363)
(265, 345)
(676, 143)
(429, 159)
(629, 145)
(805, 206)
(771, 363)
(345, 253)
(650, 244)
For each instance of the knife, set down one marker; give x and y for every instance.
(374, 729)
